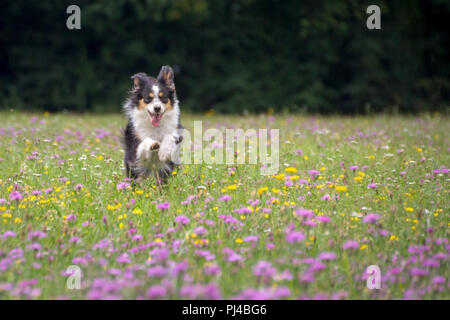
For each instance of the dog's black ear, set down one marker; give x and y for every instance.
(165, 77)
(139, 79)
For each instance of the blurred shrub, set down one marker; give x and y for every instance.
(228, 55)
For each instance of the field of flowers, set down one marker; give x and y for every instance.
(349, 193)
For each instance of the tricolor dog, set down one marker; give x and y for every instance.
(153, 135)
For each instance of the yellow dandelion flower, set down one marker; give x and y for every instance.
(341, 188)
(261, 190)
(239, 240)
(291, 170)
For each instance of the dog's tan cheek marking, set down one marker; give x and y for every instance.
(141, 104)
(168, 105)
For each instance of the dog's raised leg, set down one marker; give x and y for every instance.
(146, 148)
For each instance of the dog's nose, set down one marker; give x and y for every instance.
(157, 109)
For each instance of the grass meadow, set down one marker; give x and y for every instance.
(350, 192)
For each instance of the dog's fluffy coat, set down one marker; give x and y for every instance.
(153, 134)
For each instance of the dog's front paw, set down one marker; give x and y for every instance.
(146, 149)
(165, 153)
(155, 146)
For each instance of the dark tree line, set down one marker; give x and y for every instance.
(228, 55)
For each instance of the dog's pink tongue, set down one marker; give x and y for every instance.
(156, 120)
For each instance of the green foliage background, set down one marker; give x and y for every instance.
(230, 56)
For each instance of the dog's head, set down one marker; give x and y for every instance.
(156, 97)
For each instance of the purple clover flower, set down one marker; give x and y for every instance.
(183, 220)
(371, 218)
(163, 206)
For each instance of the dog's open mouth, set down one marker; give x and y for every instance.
(156, 118)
